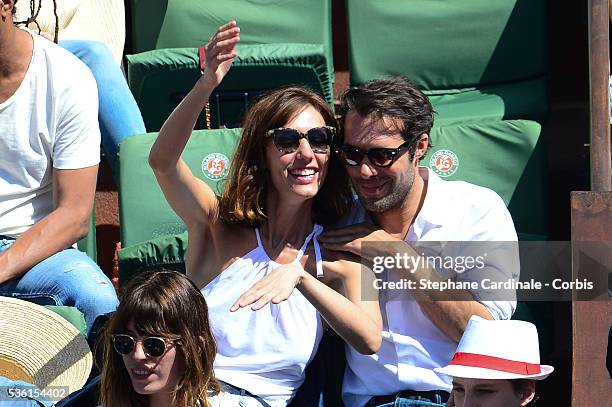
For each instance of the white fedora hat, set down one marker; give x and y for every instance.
(497, 350)
(39, 346)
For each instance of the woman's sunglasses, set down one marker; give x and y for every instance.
(288, 140)
(379, 157)
(153, 346)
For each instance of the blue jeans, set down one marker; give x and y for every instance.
(119, 115)
(69, 278)
(402, 402)
(412, 400)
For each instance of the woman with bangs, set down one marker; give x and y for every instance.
(254, 251)
(158, 347)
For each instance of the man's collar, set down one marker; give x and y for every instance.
(435, 211)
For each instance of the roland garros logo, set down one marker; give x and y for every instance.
(444, 163)
(215, 166)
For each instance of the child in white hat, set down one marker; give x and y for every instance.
(496, 364)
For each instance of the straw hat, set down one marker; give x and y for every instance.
(38, 346)
(497, 350)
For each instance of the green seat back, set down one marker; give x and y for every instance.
(496, 102)
(447, 44)
(72, 315)
(143, 211)
(159, 79)
(158, 24)
(505, 156)
(88, 243)
(166, 252)
(449, 47)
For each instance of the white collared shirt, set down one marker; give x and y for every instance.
(412, 346)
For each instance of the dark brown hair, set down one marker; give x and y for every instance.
(243, 198)
(394, 97)
(167, 304)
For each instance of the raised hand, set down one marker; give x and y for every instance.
(276, 287)
(220, 53)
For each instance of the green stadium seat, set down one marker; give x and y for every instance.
(72, 315)
(143, 211)
(159, 79)
(158, 24)
(88, 243)
(502, 155)
(282, 43)
(457, 51)
(506, 156)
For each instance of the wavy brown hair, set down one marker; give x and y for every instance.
(243, 198)
(166, 304)
(395, 97)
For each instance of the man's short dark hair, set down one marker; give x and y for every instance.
(394, 97)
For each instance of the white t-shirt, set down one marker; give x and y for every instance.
(412, 346)
(51, 121)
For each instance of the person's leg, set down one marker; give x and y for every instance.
(408, 402)
(119, 115)
(68, 278)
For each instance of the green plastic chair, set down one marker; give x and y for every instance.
(159, 79)
(476, 59)
(88, 243)
(282, 43)
(502, 155)
(506, 156)
(143, 211)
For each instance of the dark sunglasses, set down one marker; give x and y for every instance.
(288, 140)
(379, 157)
(153, 346)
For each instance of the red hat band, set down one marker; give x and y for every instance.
(495, 363)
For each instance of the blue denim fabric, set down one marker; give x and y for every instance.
(402, 402)
(7, 399)
(69, 278)
(231, 389)
(119, 115)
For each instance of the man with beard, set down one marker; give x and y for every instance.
(386, 132)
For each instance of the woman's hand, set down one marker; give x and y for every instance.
(276, 287)
(220, 52)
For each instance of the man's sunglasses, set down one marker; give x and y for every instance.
(153, 346)
(379, 157)
(288, 140)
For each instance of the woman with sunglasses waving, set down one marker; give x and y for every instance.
(158, 346)
(251, 248)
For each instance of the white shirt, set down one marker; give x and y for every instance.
(266, 351)
(453, 211)
(51, 121)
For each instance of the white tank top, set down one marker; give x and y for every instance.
(264, 352)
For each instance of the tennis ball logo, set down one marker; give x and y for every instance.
(215, 166)
(444, 163)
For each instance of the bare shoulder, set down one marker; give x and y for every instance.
(214, 247)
